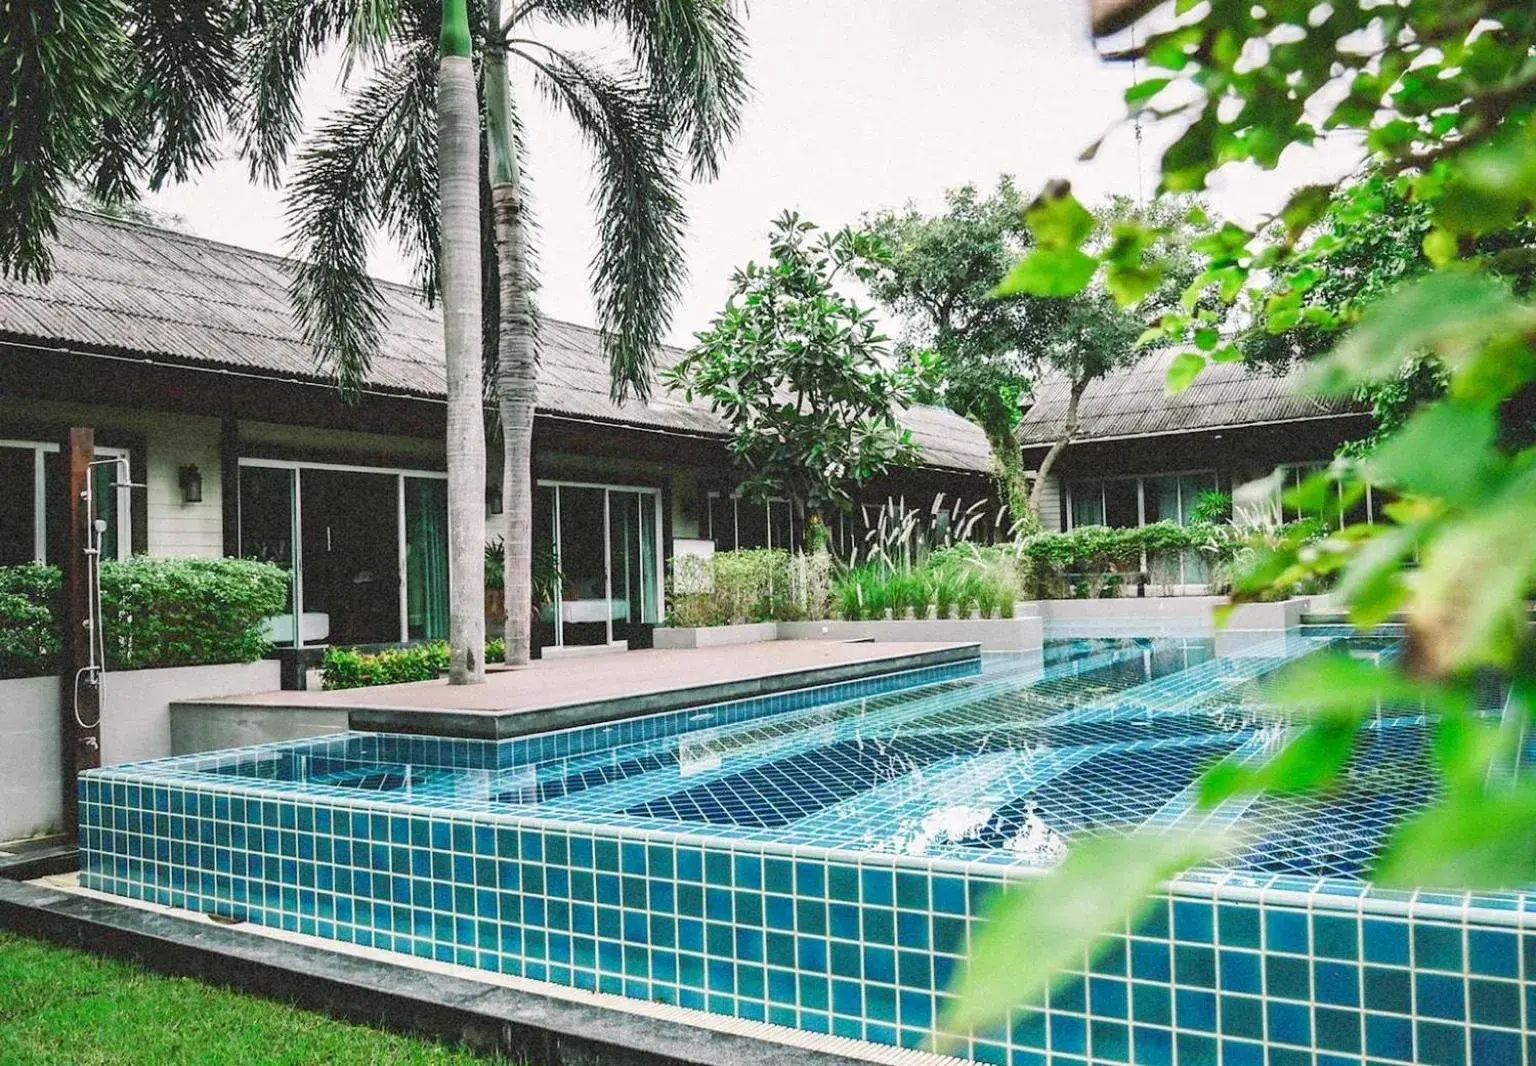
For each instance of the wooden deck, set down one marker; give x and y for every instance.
(562, 692)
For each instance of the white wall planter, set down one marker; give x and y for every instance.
(135, 725)
(1020, 633)
(30, 757)
(714, 636)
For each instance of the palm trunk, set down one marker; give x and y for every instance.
(458, 175)
(516, 371)
(1068, 431)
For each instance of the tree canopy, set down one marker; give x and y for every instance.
(109, 96)
(980, 353)
(800, 372)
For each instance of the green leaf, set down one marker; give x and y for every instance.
(1143, 91)
(1033, 932)
(1449, 312)
(1305, 207)
(1183, 371)
(1484, 842)
(1130, 285)
(1333, 694)
(1441, 246)
(1445, 451)
(1049, 272)
(1059, 222)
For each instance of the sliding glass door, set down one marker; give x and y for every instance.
(606, 542)
(365, 549)
(426, 558)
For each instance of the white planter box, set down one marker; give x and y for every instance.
(714, 636)
(135, 725)
(1158, 615)
(1020, 633)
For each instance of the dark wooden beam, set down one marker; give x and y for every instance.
(229, 484)
(80, 688)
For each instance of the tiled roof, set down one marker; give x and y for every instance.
(1135, 403)
(124, 287)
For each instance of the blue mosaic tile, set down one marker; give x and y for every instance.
(686, 859)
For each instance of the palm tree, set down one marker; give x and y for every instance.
(674, 99)
(459, 254)
(107, 95)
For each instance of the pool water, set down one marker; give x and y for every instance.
(819, 861)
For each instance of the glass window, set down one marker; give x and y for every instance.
(781, 525)
(1087, 503)
(19, 517)
(722, 521)
(1122, 509)
(751, 524)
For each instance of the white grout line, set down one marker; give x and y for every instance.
(880, 1054)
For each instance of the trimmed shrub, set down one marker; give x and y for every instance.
(29, 638)
(155, 613)
(354, 668)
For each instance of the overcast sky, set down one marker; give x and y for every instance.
(857, 105)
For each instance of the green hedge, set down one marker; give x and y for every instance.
(355, 668)
(156, 612)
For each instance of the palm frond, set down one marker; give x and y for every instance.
(370, 149)
(693, 53)
(61, 74)
(186, 81)
(278, 42)
(637, 271)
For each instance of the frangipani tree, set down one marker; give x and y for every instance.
(669, 105)
(799, 371)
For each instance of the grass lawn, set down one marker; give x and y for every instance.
(60, 1006)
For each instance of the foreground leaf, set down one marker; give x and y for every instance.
(1483, 843)
(1049, 272)
(1035, 931)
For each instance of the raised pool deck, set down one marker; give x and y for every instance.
(561, 693)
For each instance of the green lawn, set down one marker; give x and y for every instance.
(59, 1006)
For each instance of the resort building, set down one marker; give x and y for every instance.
(1141, 456)
(183, 356)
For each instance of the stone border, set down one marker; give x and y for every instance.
(523, 1026)
(503, 725)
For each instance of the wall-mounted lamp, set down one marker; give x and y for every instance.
(191, 484)
(493, 499)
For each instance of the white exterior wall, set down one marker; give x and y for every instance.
(171, 441)
(177, 528)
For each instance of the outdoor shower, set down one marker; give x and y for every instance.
(95, 533)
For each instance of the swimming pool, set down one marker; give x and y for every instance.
(819, 860)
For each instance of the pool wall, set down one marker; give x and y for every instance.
(1237, 971)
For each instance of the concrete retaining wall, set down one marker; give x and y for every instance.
(715, 636)
(198, 725)
(135, 725)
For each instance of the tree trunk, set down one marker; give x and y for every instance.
(458, 175)
(1068, 431)
(516, 370)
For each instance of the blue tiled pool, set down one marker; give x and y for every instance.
(818, 860)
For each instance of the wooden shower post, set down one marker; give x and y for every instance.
(80, 693)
